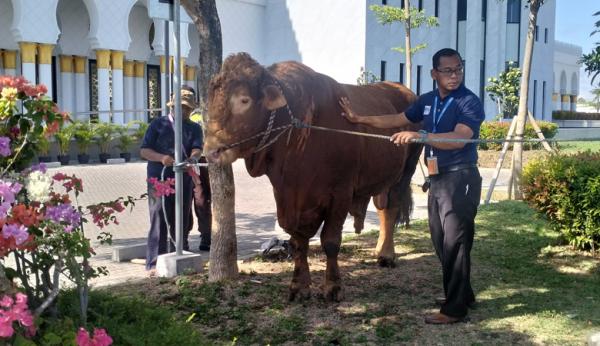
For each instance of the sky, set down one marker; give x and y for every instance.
(574, 23)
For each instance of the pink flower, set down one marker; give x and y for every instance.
(101, 338)
(162, 188)
(19, 232)
(15, 311)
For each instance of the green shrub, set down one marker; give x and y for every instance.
(499, 130)
(566, 189)
(568, 115)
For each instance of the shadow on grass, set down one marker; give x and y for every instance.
(523, 298)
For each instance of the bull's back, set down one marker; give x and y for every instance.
(381, 162)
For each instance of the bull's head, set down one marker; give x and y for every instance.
(240, 99)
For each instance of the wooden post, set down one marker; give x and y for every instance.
(505, 146)
(539, 133)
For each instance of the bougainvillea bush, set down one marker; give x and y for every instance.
(42, 234)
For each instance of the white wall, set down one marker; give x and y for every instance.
(328, 36)
(139, 31)
(565, 60)
(243, 27)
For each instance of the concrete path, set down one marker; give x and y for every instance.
(254, 205)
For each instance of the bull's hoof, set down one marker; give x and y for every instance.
(386, 262)
(299, 294)
(358, 231)
(334, 293)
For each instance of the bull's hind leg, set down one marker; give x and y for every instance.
(385, 245)
(300, 285)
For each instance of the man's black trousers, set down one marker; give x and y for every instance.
(452, 207)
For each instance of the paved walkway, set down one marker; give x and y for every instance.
(254, 204)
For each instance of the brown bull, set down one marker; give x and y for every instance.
(318, 177)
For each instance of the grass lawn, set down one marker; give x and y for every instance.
(530, 289)
(573, 147)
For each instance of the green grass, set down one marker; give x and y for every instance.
(530, 290)
(573, 147)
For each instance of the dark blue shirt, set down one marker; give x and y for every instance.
(465, 108)
(160, 137)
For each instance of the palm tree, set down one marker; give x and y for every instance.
(223, 249)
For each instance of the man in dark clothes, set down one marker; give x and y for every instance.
(158, 147)
(450, 112)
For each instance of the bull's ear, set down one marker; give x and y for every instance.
(273, 98)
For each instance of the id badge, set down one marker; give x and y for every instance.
(432, 165)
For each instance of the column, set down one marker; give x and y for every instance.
(45, 66)
(190, 77)
(66, 84)
(128, 90)
(555, 102)
(573, 103)
(1, 63)
(163, 85)
(565, 100)
(80, 87)
(28, 50)
(117, 86)
(103, 63)
(140, 102)
(10, 62)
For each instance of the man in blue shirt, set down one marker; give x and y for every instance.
(450, 112)
(158, 147)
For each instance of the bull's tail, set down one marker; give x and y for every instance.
(400, 194)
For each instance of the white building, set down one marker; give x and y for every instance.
(109, 54)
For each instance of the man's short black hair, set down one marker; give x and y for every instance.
(447, 52)
(188, 88)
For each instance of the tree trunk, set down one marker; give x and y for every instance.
(223, 249)
(534, 6)
(407, 44)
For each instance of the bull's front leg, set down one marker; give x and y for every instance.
(331, 239)
(300, 285)
(385, 244)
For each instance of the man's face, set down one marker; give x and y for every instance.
(449, 74)
(186, 111)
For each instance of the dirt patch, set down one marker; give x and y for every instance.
(381, 305)
(489, 158)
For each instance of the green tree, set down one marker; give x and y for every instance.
(412, 18)
(534, 7)
(504, 90)
(596, 100)
(592, 60)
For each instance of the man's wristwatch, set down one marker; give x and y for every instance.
(423, 137)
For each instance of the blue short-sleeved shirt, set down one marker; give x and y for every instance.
(465, 108)
(160, 137)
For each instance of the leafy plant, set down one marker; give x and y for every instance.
(63, 138)
(104, 133)
(125, 138)
(84, 136)
(569, 115)
(504, 90)
(566, 189)
(43, 146)
(592, 60)
(140, 128)
(499, 130)
(366, 77)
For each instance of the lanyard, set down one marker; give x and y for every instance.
(171, 120)
(436, 119)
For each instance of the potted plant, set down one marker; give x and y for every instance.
(140, 128)
(43, 149)
(104, 135)
(125, 141)
(63, 139)
(84, 135)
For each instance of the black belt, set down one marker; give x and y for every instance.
(459, 167)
